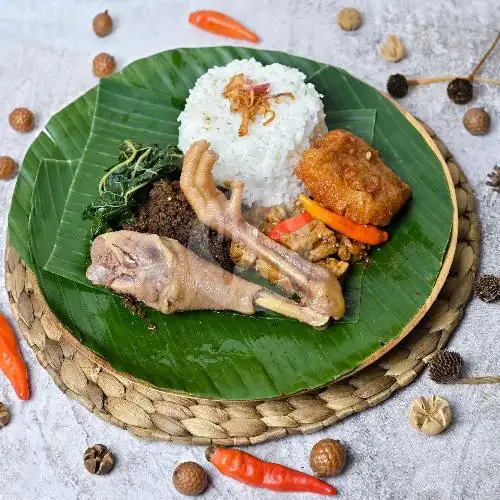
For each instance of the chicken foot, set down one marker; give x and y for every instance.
(319, 288)
(287, 307)
(168, 277)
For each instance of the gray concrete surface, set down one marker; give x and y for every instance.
(45, 54)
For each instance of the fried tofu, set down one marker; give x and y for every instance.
(347, 175)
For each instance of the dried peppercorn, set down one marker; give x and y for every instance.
(446, 367)
(397, 85)
(460, 90)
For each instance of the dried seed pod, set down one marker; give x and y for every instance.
(494, 178)
(392, 49)
(327, 458)
(397, 85)
(103, 65)
(98, 459)
(460, 90)
(102, 24)
(477, 121)
(190, 478)
(430, 415)
(487, 288)
(349, 19)
(4, 415)
(8, 168)
(445, 366)
(22, 120)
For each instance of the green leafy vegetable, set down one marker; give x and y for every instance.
(122, 186)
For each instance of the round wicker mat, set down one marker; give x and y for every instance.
(154, 414)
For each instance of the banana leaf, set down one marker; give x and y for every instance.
(122, 112)
(42, 147)
(53, 176)
(252, 358)
(64, 137)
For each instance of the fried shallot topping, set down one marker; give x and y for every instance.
(251, 99)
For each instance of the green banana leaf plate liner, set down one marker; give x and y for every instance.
(223, 355)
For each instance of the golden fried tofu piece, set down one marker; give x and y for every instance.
(347, 176)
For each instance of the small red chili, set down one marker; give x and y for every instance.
(289, 226)
(11, 362)
(255, 472)
(220, 24)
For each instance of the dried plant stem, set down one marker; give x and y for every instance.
(475, 380)
(449, 78)
(480, 79)
(472, 75)
(425, 81)
(477, 67)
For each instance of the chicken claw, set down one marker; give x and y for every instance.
(319, 288)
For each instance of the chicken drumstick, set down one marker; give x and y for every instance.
(320, 289)
(168, 277)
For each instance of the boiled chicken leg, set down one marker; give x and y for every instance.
(168, 277)
(319, 288)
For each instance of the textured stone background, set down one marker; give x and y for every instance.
(45, 53)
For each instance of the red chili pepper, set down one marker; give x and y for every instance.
(250, 470)
(220, 24)
(11, 362)
(289, 226)
(359, 232)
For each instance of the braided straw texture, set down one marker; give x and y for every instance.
(154, 414)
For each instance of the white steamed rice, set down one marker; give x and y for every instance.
(266, 158)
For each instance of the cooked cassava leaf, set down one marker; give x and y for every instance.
(121, 187)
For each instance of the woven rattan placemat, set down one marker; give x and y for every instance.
(154, 414)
